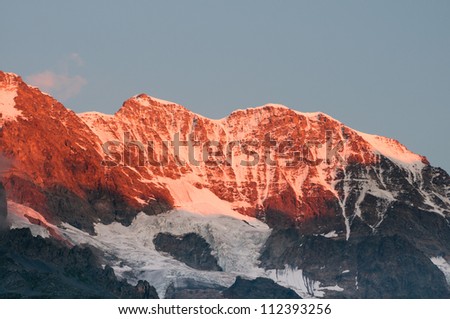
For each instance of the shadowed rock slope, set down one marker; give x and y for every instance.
(33, 267)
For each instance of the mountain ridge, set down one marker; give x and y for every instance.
(260, 138)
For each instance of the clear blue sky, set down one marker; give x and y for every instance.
(381, 67)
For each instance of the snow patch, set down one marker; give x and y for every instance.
(443, 266)
(201, 201)
(144, 100)
(141, 201)
(99, 123)
(8, 110)
(17, 218)
(331, 234)
(295, 279)
(395, 151)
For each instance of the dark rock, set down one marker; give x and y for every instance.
(390, 267)
(374, 266)
(102, 204)
(321, 259)
(427, 231)
(145, 290)
(281, 248)
(191, 249)
(359, 228)
(3, 209)
(191, 289)
(259, 288)
(33, 267)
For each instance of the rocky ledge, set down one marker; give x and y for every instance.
(191, 249)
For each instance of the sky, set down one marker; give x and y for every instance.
(381, 67)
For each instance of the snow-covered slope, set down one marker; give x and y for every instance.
(8, 91)
(395, 151)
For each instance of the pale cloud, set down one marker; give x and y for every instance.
(76, 58)
(62, 86)
(60, 83)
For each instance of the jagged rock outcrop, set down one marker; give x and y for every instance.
(191, 249)
(191, 289)
(259, 288)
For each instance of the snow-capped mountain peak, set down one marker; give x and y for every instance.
(269, 162)
(8, 92)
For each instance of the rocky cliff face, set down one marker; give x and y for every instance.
(191, 249)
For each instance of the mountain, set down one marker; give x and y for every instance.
(269, 192)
